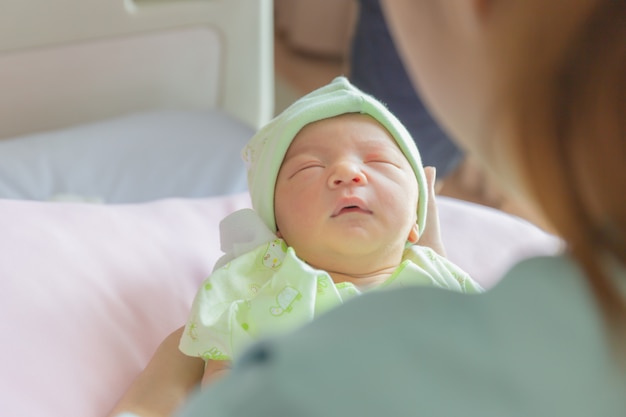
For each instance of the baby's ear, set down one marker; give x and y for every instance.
(414, 234)
(278, 234)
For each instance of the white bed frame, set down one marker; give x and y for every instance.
(67, 62)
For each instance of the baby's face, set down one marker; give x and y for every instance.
(345, 188)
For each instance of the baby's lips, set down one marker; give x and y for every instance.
(350, 205)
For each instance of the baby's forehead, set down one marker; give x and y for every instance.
(361, 129)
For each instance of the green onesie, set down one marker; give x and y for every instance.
(270, 290)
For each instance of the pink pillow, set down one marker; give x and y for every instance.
(486, 242)
(87, 292)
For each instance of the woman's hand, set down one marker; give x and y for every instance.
(165, 383)
(214, 370)
(432, 232)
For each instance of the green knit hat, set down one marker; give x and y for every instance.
(266, 150)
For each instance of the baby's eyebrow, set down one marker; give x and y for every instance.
(305, 149)
(382, 148)
(291, 156)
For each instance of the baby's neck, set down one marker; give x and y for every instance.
(362, 281)
(364, 270)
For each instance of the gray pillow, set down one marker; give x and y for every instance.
(141, 157)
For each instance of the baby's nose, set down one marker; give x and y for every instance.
(347, 173)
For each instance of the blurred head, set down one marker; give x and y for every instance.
(536, 90)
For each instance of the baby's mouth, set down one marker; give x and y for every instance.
(351, 207)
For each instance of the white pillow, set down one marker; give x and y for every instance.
(88, 291)
(141, 157)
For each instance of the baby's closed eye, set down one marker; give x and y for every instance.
(308, 166)
(383, 161)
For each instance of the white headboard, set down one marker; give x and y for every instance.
(65, 62)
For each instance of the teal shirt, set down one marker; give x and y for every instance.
(534, 345)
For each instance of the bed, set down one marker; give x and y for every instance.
(122, 123)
